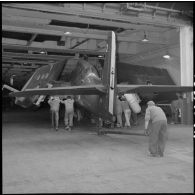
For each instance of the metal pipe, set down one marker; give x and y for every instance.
(163, 9)
(134, 8)
(9, 88)
(123, 132)
(144, 6)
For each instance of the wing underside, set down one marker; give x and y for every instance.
(100, 89)
(69, 90)
(152, 88)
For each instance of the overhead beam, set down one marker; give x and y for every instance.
(46, 30)
(34, 56)
(100, 16)
(48, 49)
(18, 66)
(13, 21)
(28, 56)
(4, 59)
(49, 30)
(75, 18)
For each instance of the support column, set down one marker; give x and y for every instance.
(186, 55)
(186, 63)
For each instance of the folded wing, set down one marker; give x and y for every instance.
(152, 88)
(68, 90)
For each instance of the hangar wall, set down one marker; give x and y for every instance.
(186, 57)
(173, 65)
(180, 65)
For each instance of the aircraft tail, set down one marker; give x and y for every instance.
(41, 77)
(45, 74)
(109, 77)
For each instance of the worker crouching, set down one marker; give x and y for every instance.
(158, 133)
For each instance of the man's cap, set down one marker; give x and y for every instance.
(151, 103)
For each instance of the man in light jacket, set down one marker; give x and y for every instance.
(158, 133)
(54, 103)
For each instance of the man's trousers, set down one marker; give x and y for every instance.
(127, 114)
(119, 119)
(68, 118)
(54, 118)
(158, 137)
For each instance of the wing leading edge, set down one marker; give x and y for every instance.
(69, 90)
(152, 88)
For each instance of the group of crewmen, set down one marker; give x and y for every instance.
(157, 132)
(54, 102)
(122, 106)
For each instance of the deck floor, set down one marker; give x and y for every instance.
(37, 159)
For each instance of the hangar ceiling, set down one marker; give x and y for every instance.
(37, 34)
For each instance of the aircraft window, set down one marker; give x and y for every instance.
(38, 77)
(46, 75)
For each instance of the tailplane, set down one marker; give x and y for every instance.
(9, 88)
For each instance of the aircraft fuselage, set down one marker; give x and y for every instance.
(86, 74)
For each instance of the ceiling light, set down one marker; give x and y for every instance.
(42, 52)
(145, 38)
(167, 56)
(67, 33)
(100, 56)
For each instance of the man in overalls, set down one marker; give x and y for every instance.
(126, 111)
(69, 112)
(119, 112)
(54, 103)
(158, 134)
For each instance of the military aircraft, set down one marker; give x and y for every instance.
(96, 94)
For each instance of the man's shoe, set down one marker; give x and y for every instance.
(161, 155)
(66, 127)
(153, 155)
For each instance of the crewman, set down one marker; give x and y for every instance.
(133, 99)
(174, 111)
(119, 112)
(54, 103)
(180, 105)
(69, 112)
(158, 133)
(126, 110)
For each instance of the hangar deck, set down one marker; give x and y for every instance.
(37, 159)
